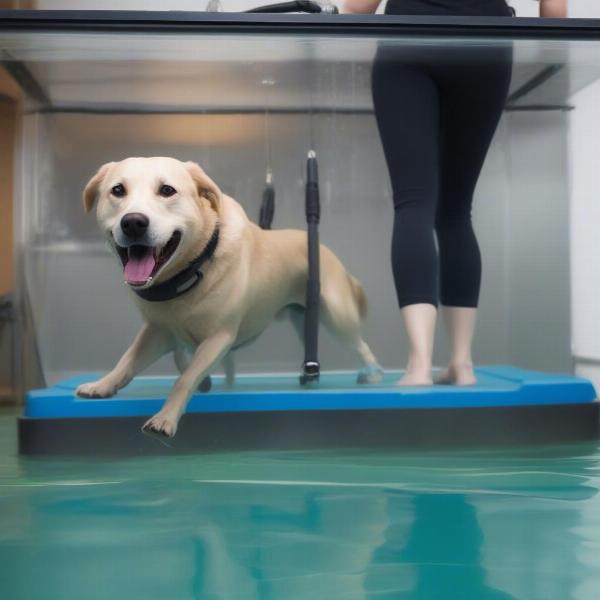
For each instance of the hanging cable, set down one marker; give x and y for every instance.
(267, 207)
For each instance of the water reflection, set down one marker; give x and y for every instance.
(489, 526)
(443, 550)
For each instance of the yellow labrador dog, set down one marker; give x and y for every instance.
(205, 278)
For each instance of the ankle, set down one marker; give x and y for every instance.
(410, 378)
(418, 365)
(461, 365)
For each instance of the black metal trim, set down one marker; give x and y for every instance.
(24, 78)
(302, 430)
(536, 81)
(259, 24)
(165, 110)
(150, 110)
(539, 108)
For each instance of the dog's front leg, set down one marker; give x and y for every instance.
(207, 354)
(149, 345)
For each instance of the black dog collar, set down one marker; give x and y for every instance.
(185, 280)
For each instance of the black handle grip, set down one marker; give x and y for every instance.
(313, 202)
(287, 7)
(267, 208)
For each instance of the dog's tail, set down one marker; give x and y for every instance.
(359, 296)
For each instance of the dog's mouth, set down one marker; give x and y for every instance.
(142, 263)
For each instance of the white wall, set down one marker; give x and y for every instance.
(584, 8)
(577, 8)
(585, 227)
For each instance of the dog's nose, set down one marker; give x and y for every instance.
(134, 225)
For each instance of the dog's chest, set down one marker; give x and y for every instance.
(190, 323)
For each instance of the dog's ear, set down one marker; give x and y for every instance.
(205, 186)
(91, 189)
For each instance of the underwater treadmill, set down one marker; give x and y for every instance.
(321, 410)
(507, 406)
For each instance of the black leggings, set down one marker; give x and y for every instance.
(437, 109)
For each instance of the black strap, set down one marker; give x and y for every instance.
(267, 207)
(185, 280)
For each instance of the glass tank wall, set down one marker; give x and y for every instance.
(231, 99)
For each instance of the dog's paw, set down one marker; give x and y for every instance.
(96, 389)
(163, 424)
(370, 375)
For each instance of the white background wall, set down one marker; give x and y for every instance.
(577, 8)
(585, 226)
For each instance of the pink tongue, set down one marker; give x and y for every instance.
(139, 268)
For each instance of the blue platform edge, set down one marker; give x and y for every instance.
(497, 386)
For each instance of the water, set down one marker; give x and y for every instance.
(521, 524)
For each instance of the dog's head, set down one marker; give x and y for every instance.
(155, 212)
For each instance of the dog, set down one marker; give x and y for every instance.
(205, 278)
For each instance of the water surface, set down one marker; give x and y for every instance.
(491, 524)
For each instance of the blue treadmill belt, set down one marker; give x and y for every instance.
(497, 386)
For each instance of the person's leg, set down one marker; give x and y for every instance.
(460, 325)
(407, 107)
(419, 322)
(473, 97)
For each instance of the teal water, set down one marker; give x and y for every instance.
(511, 524)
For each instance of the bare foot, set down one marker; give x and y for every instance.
(415, 378)
(457, 375)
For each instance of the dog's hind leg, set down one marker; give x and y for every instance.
(182, 362)
(341, 314)
(296, 315)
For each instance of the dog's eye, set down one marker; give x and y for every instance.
(118, 190)
(166, 191)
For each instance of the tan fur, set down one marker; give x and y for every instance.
(205, 186)
(91, 189)
(359, 296)
(253, 275)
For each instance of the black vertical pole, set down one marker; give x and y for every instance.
(311, 367)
